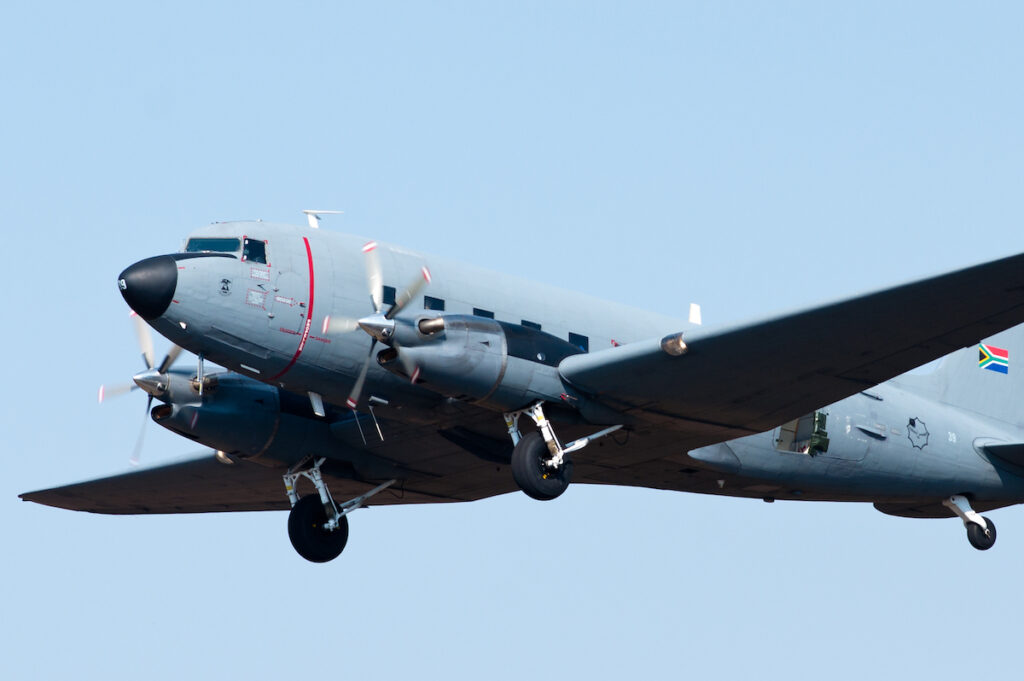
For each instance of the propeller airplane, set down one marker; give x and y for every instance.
(340, 389)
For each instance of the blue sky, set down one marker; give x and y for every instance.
(747, 156)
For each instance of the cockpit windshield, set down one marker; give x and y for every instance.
(213, 245)
(255, 251)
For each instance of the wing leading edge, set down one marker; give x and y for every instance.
(199, 484)
(202, 484)
(750, 377)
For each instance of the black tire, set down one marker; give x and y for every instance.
(532, 475)
(977, 536)
(309, 536)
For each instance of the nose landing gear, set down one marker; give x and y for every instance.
(981, 532)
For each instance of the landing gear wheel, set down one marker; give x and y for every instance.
(531, 472)
(310, 537)
(979, 538)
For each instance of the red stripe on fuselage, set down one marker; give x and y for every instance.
(309, 316)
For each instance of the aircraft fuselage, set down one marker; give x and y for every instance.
(266, 314)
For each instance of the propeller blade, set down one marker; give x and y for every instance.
(410, 292)
(338, 325)
(145, 339)
(169, 359)
(374, 278)
(409, 365)
(357, 389)
(134, 460)
(108, 391)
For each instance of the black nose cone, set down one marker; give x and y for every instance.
(148, 285)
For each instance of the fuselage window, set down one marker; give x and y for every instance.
(212, 245)
(389, 294)
(477, 312)
(255, 251)
(430, 303)
(582, 342)
(531, 325)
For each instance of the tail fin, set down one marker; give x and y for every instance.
(987, 378)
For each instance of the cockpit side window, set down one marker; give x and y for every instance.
(212, 245)
(254, 250)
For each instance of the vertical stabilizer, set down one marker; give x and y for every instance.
(987, 378)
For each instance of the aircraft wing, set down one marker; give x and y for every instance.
(749, 378)
(198, 484)
(202, 484)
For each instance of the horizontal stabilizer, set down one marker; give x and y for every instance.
(1007, 452)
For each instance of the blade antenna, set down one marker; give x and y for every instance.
(313, 216)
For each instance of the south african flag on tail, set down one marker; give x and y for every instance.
(994, 359)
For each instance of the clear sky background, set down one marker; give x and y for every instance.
(747, 156)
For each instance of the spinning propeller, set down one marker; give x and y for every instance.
(153, 380)
(379, 325)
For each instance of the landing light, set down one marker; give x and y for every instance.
(674, 345)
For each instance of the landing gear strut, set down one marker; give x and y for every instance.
(317, 526)
(541, 466)
(981, 532)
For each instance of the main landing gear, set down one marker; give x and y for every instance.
(317, 526)
(541, 466)
(981, 531)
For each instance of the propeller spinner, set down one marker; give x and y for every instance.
(153, 380)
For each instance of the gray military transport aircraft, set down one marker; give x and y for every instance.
(347, 386)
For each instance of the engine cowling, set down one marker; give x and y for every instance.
(498, 365)
(235, 414)
(246, 419)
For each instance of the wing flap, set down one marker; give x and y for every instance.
(749, 377)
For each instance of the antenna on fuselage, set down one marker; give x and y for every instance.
(695, 313)
(313, 216)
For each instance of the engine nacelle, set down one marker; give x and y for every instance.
(235, 414)
(495, 364)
